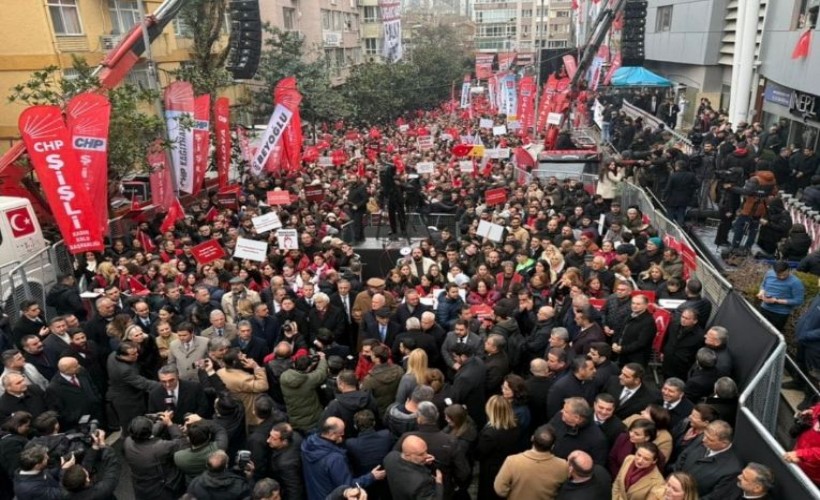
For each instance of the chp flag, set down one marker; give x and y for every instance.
(179, 107)
(222, 126)
(465, 92)
(88, 116)
(202, 136)
(279, 121)
(48, 143)
(392, 50)
(287, 94)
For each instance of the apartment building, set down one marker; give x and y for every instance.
(522, 26)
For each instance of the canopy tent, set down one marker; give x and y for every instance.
(636, 76)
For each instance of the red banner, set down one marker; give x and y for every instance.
(278, 198)
(526, 103)
(162, 188)
(202, 134)
(49, 147)
(88, 117)
(288, 95)
(505, 60)
(570, 65)
(175, 213)
(207, 252)
(222, 124)
(495, 196)
(484, 66)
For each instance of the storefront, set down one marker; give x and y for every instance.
(796, 111)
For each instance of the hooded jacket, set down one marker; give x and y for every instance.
(398, 421)
(346, 405)
(740, 158)
(757, 190)
(224, 485)
(301, 398)
(382, 382)
(325, 467)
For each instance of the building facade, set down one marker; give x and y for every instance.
(522, 26)
(788, 92)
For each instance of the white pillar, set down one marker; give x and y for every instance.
(741, 11)
(741, 93)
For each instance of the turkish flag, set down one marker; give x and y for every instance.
(146, 242)
(802, 47)
(20, 222)
(175, 213)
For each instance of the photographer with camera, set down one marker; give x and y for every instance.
(204, 438)
(299, 385)
(151, 458)
(757, 191)
(35, 480)
(728, 201)
(219, 482)
(99, 474)
(241, 384)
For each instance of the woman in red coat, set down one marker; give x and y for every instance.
(806, 453)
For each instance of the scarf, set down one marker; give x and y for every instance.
(634, 474)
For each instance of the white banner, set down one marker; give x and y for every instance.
(390, 11)
(325, 161)
(465, 95)
(466, 166)
(182, 152)
(276, 128)
(500, 130)
(425, 142)
(251, 250)
(497, 153)
(266, 222)
(425, 167)
(486, 123)
(598, 114)
(509, 96)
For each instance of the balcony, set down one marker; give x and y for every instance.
(332, 38)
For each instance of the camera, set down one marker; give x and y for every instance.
(288, 326)
(243, 458)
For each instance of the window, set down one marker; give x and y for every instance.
(124, 15)
(805, 14)
(65, 17)
(371, 46)
(351, 22)
(526, 13)
(289, 17)
(371, 14)
(557, 44)
(181, 29)
(663, 20)
(139, 76)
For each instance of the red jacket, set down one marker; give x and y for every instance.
(807, 448)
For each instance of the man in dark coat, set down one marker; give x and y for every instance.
(578, 383)
(72, 399)
(408, 475)
(634, 344)
(538, 389)
(586, 479)
(96, 327)
(681, 344)
(575, 430)
(702, 377)
(252, 347)
(604, 417)
(127, 389)
(496, 363)
(20, 396)
(219, 481)
(411, 307)
(64, 297)
(286, 461)
(378, 325)
(265, 326)
(180, 396)
(325, 315)
(349, 401)
(631, 393)
(357, 201)
(30, 322)
(468, 384)
(714, 466)
(421, 340)
(680, 189)
(675, 402)
(368, 449)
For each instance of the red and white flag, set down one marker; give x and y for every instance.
(801, 49)
(162, 188)
(222, 124)
(89, 115)
(287, 94)
(48, 142)
(179, 106)
(202, 135)
(175, 213)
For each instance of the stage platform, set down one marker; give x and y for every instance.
(379, 255)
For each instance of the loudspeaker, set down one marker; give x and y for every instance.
(550, 62)
(633, 33)
(245, 45)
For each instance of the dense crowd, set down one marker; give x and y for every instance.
(521, 368)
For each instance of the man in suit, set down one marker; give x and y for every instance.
(265, 326)
(538, 388)
(186, 350)
(72, 394)
(143, 317)
(461, 334)
(180, 396)
(35, 355)
(632, 394)
(601, 353)
(96, 327)
(127, 388)
(410, 308)
(412, 330)
(219, 326)
(357, 199)
(252, 347)
(468, 384)
(755, 481)
(604, 416)
(57, 340)
(343, 300)
(30, 322)
(377, 325)
(496, 363)
(20, 396)
(407, 472)
(681, 344)
(577, 384)
(305, 302)
(674, 401)
(714, 465)
(325, 315)
(634, 344)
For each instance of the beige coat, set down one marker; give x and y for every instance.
(230, 310)
(229, 332)
(185, 360)
(663, 439)
(650, 487)
(532, 475)
(246, 387)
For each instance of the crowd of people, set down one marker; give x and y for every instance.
(519, 368)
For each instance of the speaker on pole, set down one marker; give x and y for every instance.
(245, 45)
(633, 34)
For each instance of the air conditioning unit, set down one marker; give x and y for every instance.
(108, 42)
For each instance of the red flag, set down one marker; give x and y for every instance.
(146, 242)
(135, 205)
(88, 117)
(179, 105)
(523, 159)
(48, 143)
(175, 213)
(202, 116)
(136, 287)
(211, 215)
(526, 103)
(801, 49)
(574, 4)
(162, 189)
(222, 125)
(244, 144)
(287, 94)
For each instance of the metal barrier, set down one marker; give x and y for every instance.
(31, 279)
(803, 214)
(633, 112)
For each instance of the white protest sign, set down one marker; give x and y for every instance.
(500, 130)
(514, 125)
(497, 153)
(404, 128)
(494, 232)
(425, 142)
(325, 161)
(465, 166)
(425, 167)
(486, 123)
(288, 239)
(554, 118)
(251, 250)
(266, 222)
(445, 137)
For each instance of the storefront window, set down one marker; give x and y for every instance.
(802, 135)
